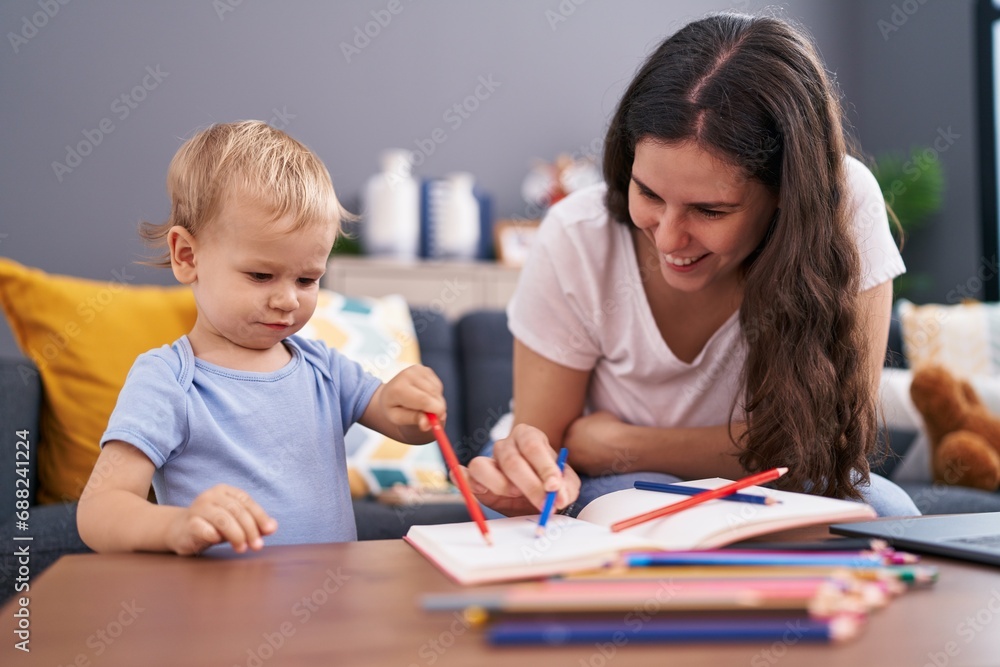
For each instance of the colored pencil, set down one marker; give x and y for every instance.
(818, 596)
(550, 497)
(734, 557)
(722, 491)
(449, 456)
(834, 544)
(911, 575)
(869, 591)
(693, 491)
(524, 633)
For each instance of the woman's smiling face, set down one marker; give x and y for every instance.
(703, 215)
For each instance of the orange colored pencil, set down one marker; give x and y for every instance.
(449, 456)
(711, 494)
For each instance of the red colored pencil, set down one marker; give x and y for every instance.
(711, 494)
(449, 456)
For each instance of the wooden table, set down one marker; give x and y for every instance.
(358, 604)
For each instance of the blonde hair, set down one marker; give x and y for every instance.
(250, 158)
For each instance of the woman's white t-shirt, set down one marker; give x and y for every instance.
(580, 303)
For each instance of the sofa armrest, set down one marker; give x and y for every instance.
(894, 357)
(895, 443)
(436, 338)
(21, 389)
(486, 354)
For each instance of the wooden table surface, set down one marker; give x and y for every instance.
(358, 604)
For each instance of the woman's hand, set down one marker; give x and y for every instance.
(598, 445)
(522, 471)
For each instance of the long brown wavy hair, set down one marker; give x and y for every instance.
(754, 91)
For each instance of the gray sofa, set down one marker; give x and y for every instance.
(473, 357)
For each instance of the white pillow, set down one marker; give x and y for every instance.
(963, 337)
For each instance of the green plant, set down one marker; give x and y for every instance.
(346, 245)
(347, 242)
(913, 187)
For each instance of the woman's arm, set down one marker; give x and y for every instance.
(551, 397)
(876, 313)
(547, 395)
(601, 444)
(547, 398)
(692, 453)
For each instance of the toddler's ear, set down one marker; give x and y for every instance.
(181, 244)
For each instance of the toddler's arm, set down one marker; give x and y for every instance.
(398, 407)
(114, 514)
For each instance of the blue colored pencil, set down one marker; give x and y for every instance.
(734, 557)
(692, 491)
(550, 497)
(535, 632)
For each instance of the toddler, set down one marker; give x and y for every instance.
(209, 418)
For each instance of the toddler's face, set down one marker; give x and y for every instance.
(257, 280)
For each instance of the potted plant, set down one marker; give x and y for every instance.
(913, 187)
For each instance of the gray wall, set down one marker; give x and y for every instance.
(559, 81)
(917, 87)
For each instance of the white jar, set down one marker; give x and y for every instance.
(456, 233)
(391, 223)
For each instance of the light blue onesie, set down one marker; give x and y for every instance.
(279, 436)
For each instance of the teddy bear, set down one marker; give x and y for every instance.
(964, 435)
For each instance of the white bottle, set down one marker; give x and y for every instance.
(456, 232)
(391, 225)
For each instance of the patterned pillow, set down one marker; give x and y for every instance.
(379, 335)
(964, 337)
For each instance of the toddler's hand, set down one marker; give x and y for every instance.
(412, 393)
(221, 514)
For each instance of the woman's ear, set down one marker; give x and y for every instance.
(182, 254)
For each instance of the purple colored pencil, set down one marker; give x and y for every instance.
(659, 631)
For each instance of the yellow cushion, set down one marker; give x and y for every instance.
(84, 336)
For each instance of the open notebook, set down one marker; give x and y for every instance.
(587, 542)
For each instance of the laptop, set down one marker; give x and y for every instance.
(973, 537)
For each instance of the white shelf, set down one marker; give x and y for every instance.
(452, 288)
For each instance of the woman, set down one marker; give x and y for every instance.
(722, 305)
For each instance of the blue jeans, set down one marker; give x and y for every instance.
(883, 495)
